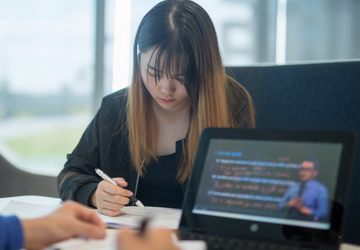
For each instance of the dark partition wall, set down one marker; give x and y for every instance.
(15, 182)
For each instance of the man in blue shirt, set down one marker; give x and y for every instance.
(308, 198)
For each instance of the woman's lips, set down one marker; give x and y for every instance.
(167, 100)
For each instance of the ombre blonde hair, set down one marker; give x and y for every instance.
(183, 35)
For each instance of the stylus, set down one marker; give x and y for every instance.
(107, 178)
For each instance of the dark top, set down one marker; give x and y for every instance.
(151, 191)
(104, 145)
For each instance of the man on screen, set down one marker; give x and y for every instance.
(308, 198)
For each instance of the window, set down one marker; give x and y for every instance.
(48, 94)
(46, 79)
(245, 29)
(322, 30)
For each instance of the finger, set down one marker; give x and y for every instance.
(164, 234)
(70, 208)
(109, 212)
(87, 230)
(116, 199)
(123, 184)
(112, 198)
(67, 207)
(127, 240)
(111, 205)
(108, 187)
(125, 233)
(89, 216)
(162, 239)
(112, 189)
(120, 181)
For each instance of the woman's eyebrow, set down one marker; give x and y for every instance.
(151, 67)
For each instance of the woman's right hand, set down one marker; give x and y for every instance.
(155, 239)
(109, 199)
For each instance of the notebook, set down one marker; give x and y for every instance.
(288, 188)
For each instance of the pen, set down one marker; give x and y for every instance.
(120, 225)
(107, 178)
(143, 226)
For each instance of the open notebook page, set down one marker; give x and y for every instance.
(131, 216)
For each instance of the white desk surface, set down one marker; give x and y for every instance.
(28, 206)
(35, 199)
(42, 200)
(30, 203)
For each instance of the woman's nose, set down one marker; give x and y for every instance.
(167, 85)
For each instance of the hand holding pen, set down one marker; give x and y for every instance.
(153, 239)
(110, 195)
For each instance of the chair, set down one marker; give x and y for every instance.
(14, 182)
(320, 96)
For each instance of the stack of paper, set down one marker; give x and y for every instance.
(26, 210)
(132, 216)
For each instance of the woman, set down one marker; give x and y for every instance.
(148, 134)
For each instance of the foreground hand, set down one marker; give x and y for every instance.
(109, 199)
(157, 239)
(70, 220)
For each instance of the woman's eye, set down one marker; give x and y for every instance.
(152, 73)
(180, 79)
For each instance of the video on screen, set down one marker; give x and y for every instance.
(271, 181)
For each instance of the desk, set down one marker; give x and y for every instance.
(35, 199)
(30, 203)
(109, 242)
(28, 206)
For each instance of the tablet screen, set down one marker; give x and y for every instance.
(281, 182)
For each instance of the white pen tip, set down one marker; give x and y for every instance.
(138, 203)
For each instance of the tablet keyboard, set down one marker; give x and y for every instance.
(217, 242)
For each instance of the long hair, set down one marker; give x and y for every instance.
(185, 38)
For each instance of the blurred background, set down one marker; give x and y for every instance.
(59, 58)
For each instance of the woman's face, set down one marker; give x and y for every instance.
(168, 94)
